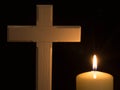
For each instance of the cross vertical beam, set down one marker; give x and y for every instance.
(44, 66)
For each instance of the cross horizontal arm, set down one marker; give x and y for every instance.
(66, 34)
(52, 34)
(21, 33)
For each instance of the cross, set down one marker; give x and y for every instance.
(44, 33)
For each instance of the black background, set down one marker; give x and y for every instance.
(100, 22)
(18, 66)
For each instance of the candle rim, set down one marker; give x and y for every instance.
(106, 75)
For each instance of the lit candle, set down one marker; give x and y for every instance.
(94, 80)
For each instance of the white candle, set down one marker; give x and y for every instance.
(94, 80)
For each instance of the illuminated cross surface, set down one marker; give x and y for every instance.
(44, 33)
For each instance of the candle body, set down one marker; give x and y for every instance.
(94, 80)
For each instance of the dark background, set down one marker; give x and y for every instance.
(100, 22)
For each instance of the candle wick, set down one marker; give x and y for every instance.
(94, 69)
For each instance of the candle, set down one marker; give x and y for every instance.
(94, 80)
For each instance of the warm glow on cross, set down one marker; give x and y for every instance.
(44, 34)
(94, 62)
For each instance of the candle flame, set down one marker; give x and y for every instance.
(94, 62)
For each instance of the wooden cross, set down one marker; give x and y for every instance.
(44, 33)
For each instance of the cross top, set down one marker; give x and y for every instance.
(47, 13)
(44, 33)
